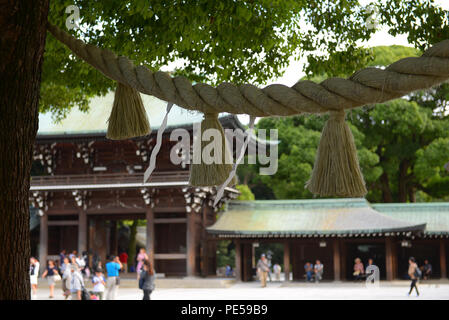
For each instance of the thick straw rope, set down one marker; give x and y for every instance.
(366, 86)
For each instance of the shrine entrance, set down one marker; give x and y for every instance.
(108, 235)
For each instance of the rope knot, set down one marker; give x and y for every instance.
(338, 115)
(210, 115)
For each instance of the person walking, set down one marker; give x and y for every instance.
(414, 273)
(51, 273)
(124, 261)
(34, 274)
(72, 255)
(263, 269)
(62, 255)
(146, 280)
(99, 284)
(99, 267)
(76, 282)
(112, 270)
(66, 271)
(141, 257)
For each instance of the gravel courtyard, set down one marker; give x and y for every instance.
(396, 290)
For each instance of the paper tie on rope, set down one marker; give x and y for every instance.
(231, 176)
(336, 171)
(210, 169)
(157, 147)
(128, 117)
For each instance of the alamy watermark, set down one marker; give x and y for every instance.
(260, 150)
(72, 21)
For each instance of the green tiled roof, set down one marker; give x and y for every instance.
(435, 214)
(324, 217)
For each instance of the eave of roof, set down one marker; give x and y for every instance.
(309, 218)
(434, 214)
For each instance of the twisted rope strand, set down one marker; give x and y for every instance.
(366, 86)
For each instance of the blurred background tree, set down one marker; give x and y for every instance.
(402, 145)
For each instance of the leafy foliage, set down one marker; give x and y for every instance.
(225, 253)
(216, 41)
(245, 192)
(299, 138)
(402, 145)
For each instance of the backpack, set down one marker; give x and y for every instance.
(418, 273)
(85, 295)
(141, 281)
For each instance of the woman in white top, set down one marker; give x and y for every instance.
(34, 274)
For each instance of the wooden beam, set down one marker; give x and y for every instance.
(170, 256)
(443, 266)
(61, 223)
(43, 241)
(238, 260)
(389, 259)
(170, 220)
(191, 250)
(287, 261)
(337, 259)
(149, 216)
(82, 231)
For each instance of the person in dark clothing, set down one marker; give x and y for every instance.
(146, 279)
(413, 272)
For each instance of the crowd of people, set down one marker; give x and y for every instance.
(73, 271)
(414, 272)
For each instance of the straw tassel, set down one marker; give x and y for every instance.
(211, 174)
(128, 117)
(336, 171)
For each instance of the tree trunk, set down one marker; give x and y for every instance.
(22, 41)
(386, 191)
(411, 194)
(402, 181)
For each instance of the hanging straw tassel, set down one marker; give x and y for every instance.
(336, 171)
(211, 174)
(128, 117)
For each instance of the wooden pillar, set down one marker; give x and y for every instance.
(238, 260)
(204, 244)
(191, 250)
(389, 258)
(114, 238)
(443, 266)
(82, 231)
(247, 268)
(91, 237)
(337, 259)
(43, 242)
(287, 261)
(343, 260)
(149, 216)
